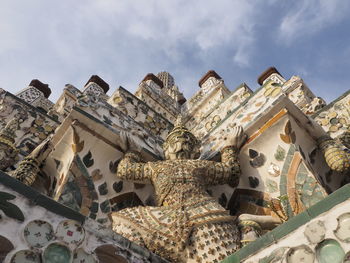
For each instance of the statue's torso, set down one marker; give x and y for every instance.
(185, 211)
(179, 181)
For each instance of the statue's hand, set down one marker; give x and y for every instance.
(238, 137)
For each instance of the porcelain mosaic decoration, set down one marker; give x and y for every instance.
(26, 256)
(38, 233)
(233, 176)
(70, 232)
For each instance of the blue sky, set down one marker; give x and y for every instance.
(62, 42)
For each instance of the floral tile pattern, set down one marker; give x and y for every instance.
(70, 232)
(26, 256)
(38, 233)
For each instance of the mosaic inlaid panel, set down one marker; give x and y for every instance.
(140, 112)
(57, 238)
(211, 119)
(335, 118)
(34, 127)
(38, 233)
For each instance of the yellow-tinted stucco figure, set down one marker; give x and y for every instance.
(187, 225)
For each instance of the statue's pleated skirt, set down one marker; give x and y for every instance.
(200, 231)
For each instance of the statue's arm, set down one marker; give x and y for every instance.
(228, 170)
(131, 168)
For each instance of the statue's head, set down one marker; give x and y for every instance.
(181, 143)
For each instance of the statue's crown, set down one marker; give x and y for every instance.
(179, 129)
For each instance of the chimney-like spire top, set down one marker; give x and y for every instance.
(267, 73)
(96, 79)
(44, 88)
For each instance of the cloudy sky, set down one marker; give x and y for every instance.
(62, 42)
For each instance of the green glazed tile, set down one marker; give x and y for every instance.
(280, 153)
(271, 185)
(231, 259)
(302, 168)
(330, 251)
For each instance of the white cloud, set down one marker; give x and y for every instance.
(68, 41)
(122, 40)
(206, 24)
(311, 16)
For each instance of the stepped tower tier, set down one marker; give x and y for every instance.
(117, 179)
(167, 79)
(160, 92)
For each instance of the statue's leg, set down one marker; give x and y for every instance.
(127, 229)
(213, 242)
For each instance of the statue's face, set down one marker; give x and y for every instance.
(180, 146)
